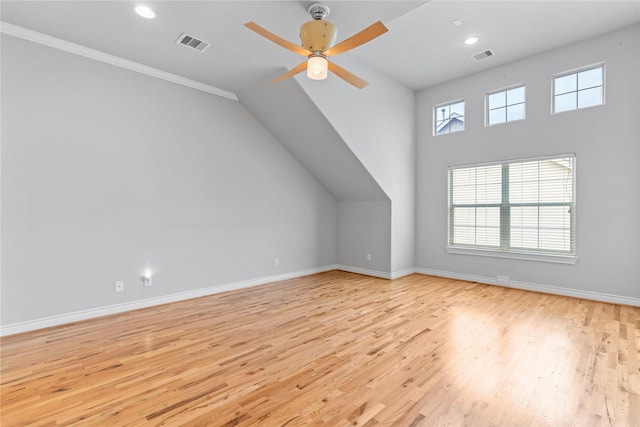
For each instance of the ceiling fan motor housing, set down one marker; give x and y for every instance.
(318, 35)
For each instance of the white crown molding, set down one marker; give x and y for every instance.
(555, 290)
(47, 40)
(46, 322)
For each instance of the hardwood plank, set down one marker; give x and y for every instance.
(335, 349)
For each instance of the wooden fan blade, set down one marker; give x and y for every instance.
(369, 33)
(277, 40)
(292, 72)
(347, 76)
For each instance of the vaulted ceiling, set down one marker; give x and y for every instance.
(423, 47)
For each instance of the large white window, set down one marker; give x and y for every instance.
(448, 118)
(505, 105)
(577, 90)
(515, 207)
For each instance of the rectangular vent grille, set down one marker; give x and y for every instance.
(192, 42)
(482, 55)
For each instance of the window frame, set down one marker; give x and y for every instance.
(448, 104)
(505, 90)
(577, 71)
(505, 251)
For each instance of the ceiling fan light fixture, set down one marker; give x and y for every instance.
(317, 67)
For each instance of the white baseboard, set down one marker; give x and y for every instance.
(365, 271)
(376, 273)
(402, 273)
(556, 290)
(46, 322)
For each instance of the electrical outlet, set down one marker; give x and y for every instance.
(119, 286)
(368, 257)
(502, 280)
(276, 261)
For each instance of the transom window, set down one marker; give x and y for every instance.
(522, 206)
(448, 118)
(505, 105)
(577, 90)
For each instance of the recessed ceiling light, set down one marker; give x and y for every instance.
(145, 12)
(457, 22)
(471, 40)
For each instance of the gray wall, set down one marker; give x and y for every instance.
(378, 125)
(364, 229)
(311, 136)
(106, 172)
(605, 139)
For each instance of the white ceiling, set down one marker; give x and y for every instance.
(423, 46)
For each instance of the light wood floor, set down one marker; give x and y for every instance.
(335, 349)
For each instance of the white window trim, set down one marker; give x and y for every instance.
(434, 117)
(527, 256)
(515, 253)
(514, 160)
(575, 71)
(504, 89)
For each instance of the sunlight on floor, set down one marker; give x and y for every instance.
(489, 353)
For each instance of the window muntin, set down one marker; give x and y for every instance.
(578, 90)
(448, 118)
(506, 105)
(523, 206)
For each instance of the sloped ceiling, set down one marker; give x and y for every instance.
(291, 116)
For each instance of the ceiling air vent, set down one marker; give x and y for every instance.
(192, 42)
(482, 55)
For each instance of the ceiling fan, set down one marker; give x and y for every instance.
(318, 37)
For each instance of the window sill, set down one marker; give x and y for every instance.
(528, 256)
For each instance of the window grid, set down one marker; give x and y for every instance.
(505, 105)
(448, 118)
(577, 90)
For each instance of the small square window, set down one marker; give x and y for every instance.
(448, 118)
(581, 89)
(505, 106)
